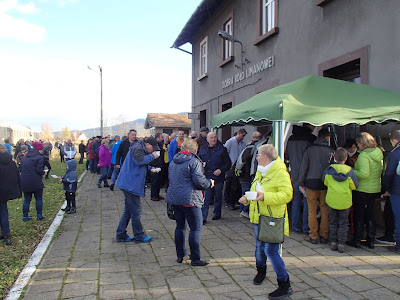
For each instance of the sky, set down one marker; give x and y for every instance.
(46, 47)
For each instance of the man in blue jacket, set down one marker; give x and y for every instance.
(216, 162)
(131, 181)
(392, 185)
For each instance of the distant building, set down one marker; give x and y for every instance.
(167, 123)
(273, 42)
(15, 132)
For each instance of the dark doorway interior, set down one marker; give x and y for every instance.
(226, 131)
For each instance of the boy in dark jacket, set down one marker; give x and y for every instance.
(70, 184)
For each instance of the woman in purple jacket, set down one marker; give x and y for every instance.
(104, 162)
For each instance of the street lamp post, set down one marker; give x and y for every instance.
(101, 98)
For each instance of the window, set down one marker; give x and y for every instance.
(203, 118)
(228, 44)
(268, 19)
(267, 16)
(226, 131)
(203, 58)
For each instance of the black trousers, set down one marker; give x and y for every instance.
(70, 197)
(363, 204)
(47, 164)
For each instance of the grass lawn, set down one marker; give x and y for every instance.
(27, 235)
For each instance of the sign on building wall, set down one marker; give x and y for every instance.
(193, 116)
(250, 71)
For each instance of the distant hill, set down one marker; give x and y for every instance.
(119, 129)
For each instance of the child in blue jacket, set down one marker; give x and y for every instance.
(70, 184)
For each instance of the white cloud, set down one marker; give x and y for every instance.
(9, 5)
(20, 29)
(29, 8)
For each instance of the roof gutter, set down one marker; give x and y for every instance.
(183, 50)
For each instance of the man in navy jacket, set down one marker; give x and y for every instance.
(216, 162)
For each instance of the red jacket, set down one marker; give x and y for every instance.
(91, 154)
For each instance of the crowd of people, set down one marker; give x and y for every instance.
(318, 190)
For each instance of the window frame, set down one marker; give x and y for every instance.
(203, 65)
(261, 36)
(226, 59)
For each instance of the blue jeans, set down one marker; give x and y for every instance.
(110, 171)
(215, 192)
(155, 184)
(115, 174)
(91, 165)
(103, 176)
(245, 188)
(132, 212)
(4, 224)
(271, 251)
(395, 201)
(298, 198)
(27, 202)
(194, 218)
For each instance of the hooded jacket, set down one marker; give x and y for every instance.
(278, 192)
(368, 169)
(70, 179)
(392, 179)
(114, 150)
(215, 158)
(132, 176)
(340, 180)
(31, 171)
(186, 180)
(10, 181)
(104, 156)
(298, 142)
(316, 159)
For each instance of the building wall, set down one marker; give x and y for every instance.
(309, 35)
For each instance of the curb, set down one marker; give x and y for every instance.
(37, 255)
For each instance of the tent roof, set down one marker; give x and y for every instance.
(316, 100)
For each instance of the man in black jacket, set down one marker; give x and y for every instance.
(155, 171)
(82, 150)
(300, 139)
(122, 151)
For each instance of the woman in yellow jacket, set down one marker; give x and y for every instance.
(275, 181)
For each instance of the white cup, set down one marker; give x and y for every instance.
(158, 153)
(251, 195)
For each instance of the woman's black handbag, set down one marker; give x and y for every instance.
(270, 229)
(170, 212)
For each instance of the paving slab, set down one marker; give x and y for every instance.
(85, 262)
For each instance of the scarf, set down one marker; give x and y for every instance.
(264, 169)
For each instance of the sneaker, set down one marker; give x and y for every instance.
(395, 249)
(341, 248)
(106, 185)
(334, 246)
(112, 187)
(146, 239)
(216, 218)
(323, 240)
(199, 263)
(25, 219)
(154, 199)
(244, 214)
(124, 240)
(386, 239)
(72, 210)
(40, 217)
(99, 185)
(160, 197)
(310, 240)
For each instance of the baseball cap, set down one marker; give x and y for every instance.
(204, 128)
(152, 141)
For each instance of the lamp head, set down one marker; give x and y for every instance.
(227, 36)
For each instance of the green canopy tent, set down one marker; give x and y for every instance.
(312, 99)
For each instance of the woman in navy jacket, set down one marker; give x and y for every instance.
(31, 180)
(10, 188)
(186, 182)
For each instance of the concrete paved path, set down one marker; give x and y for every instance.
(84, 261)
